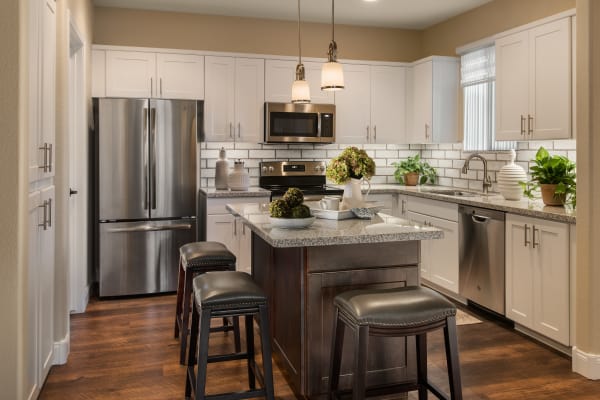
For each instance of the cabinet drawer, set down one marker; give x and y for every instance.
(434, 208)
(217, 206)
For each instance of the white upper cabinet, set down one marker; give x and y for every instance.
(534, 82)
(371, 108)
(145, 74)
(432, 103)
(180, 76)
(280, 74)
(233, 107)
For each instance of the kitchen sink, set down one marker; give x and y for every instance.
(453, 192)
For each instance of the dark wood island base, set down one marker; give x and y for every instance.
(301, 283)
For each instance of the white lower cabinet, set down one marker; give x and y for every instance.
(439, 257)
(388, 202)
(537, 275)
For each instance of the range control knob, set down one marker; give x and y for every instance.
(271, 169)
(264, 169)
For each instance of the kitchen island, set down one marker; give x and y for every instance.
(303, 270)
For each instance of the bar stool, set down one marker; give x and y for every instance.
(228, 294)
(407, 311)
(197, 258)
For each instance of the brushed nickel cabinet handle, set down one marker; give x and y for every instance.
(161, 87)
(43, 224)
(49, 213)
(527, 242)
(375, 133)
(45, 166)
(230, 130)
(522, 125)
(529, 124)
(49, 157)
(239, 130)
(534, 244)
(151, 87)
(367, 133)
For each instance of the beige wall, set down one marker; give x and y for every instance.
(114, 26)
(13, 198)
(485, 21)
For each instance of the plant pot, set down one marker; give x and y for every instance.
(548, 196)
(411, 179)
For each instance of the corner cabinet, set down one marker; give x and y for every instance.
(534, 83)
(371, 108)
(280, 74)
(234, 101)
(537, 275)
(136, 74)
(432, 104)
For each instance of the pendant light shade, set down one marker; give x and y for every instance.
(332, 73)
(300, 88)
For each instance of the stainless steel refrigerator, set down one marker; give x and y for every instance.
(145, 191)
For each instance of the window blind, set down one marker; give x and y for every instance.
(478, 80)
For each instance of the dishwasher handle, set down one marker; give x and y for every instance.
(479, 219)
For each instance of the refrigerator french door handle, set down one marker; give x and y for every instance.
(151, 228)
(153, 158)
(145, 157)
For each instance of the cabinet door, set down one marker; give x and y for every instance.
(45, 273)
(421, 103)
(512, 86)
(519, 270)
(220, 228)
(551, 291)
(48, 94)
(180, 76)
(219, 102)
(550, 80)
(386, 200)
(388, 103)
(401, 206)
(426, 249)
(249, 99)
(353, 106)
(130, 74)
(32, 380)
(444, 255)
(244, 255)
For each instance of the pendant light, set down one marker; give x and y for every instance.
(300, 88)
(332, 74)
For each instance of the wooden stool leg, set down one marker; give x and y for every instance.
(192, 351)
(184, 329)
(180, 281)
(451, 342)
(422, 365)
(265, 342)
(335, 360)
(361, 349)
(205, 316)
(250, 351)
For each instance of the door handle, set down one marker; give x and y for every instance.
(534, 244)
(230, 130)
(529, 124)
(160, 87)
(480, 219)
(151, 228)
(43, 224)
(403, 210)
(153, 158)
(145, 157)
(375, 133)
(50, 213)
(45, 166)
(367, 133)
(426, 131)
(239, 130)
(526, 242)
(49, 157)
(151, 87)
(522, 125)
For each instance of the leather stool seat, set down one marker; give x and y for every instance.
(205, 254)
(228, 294)
(225, 290)
(399, 312)
(404, 307)
(197, 258)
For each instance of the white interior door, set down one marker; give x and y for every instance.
(78, 144)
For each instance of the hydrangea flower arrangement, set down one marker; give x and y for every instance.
(351, 163)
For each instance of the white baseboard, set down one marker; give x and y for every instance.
(586, 364)
(83, 301)
(61, 350)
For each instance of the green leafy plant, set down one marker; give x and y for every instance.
(351, 163)
(415, 164)
(557, 170)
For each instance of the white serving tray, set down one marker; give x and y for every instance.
(317, 211)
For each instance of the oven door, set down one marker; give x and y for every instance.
(305, 123)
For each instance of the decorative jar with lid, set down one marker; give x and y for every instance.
(509, 177)
(239, 179)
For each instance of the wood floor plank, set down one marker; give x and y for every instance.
(124, 349)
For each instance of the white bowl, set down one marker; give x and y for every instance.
(291, 223)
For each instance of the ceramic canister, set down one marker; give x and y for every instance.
(509, 177)
(239, 179)
(222, 170)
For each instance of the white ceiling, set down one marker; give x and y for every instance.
(410, 14)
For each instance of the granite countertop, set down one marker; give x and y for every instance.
(323, 232)
(253, 191)
(494, 201)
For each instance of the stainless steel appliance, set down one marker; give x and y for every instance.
(304, 123)
(145, 200)
(481, 257)
(308, 176)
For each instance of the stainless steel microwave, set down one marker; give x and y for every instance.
(299, 123)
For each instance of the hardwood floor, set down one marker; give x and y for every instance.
(124, 349)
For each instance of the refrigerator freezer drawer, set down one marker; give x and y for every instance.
(141, 257)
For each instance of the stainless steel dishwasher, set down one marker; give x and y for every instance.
(481, 257)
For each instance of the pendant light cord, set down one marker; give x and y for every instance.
(332, 21)
(299, 36)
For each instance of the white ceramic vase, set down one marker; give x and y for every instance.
(508, 179)
(353, 197)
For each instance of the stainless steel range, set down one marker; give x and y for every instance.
(308, 176)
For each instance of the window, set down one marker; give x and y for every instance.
(478, 80)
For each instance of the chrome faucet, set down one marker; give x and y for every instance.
(487, 181)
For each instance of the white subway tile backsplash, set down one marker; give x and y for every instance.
(374, 146)
(398, 146)
(247, 146)
(289, 154)
(438, 154)
(450, 172)
(564, 144)
(443, 163)
(218, 145)
(262, 154)
(442, 180)
(385, 153)
(452, 155)
(446, 146)
(314, 154)
(237, 154)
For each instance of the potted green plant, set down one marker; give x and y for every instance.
(555, 176)
(413, 171)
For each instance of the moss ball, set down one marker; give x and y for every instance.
(280, 209)
(300, 211)
(294, 197)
